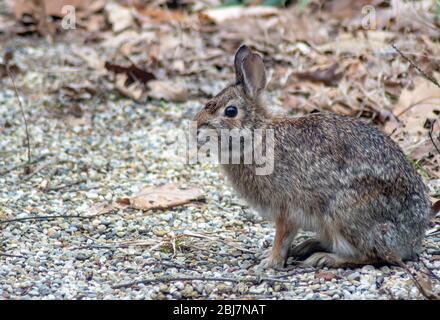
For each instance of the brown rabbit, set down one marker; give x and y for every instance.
(333, 175)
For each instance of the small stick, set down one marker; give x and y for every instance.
(430, 270)
(33, 173)
(24, 118)
(434, 81)
(425, 293)
(12, 255)
(45, 217)
(74, 183)
(25, 164)
(255, 280)
(430, 136)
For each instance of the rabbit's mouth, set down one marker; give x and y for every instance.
(206, 133)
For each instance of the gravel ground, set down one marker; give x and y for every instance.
(114, 150)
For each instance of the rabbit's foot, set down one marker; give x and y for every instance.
(332, 260)
(306, 249)
(284, 234)
(266, 254)
(324, 259)
(272, 261)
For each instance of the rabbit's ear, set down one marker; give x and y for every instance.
(240, 55)
(254, 75)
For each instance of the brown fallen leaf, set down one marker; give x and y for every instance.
(347, 8)
(161, 197)
(36, 12)
(119, 17)
(219, 15)
(78, 91)
(101, 208)
(167, 90)
(51, 7)
(373, 40)
(131, 80)
(415, 106)
(154, 16)
(133, 73)
(425, 285)
(135, 90)
(329, 75)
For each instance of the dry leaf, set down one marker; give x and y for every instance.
(425, 283)
(167, 90)
(374, 40)
(133, 73)
(101, 208)
(329, 75)
(162, 197)
(347, 8)
(153, 16)
(31, 11)
(131, 80)
(415, 106)
(90, 56)
(134, 91)
(219, 15)
(120, 17)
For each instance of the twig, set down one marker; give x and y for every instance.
(224, 241)
(45, 218)
(431, 79)
(74, 183)
(430, 136)
(434, 81)
(255, 280)
(430, 270)
(12, 255)
(171, 279)
(33, 173)
(25, 164)
(427, 294)
(24, 118)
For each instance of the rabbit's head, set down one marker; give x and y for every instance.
(238, 105)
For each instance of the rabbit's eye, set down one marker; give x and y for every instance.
(231, 111)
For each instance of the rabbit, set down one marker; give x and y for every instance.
(334, 175)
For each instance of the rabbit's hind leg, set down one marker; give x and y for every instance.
(284, 235)
(343, 254)
(333, 260)
(306, 248)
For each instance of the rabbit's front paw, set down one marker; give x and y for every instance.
(274, 262)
